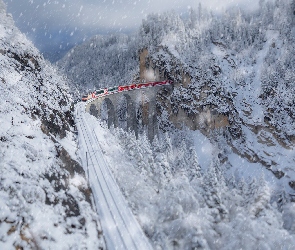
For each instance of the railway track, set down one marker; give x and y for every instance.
(120, 227)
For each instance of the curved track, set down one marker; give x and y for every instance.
(121, 229)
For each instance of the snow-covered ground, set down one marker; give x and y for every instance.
(121, 230)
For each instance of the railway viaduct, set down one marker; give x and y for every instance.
(139, 105)
(142, 102)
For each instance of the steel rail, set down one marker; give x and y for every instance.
(85, 129)
(94, 169)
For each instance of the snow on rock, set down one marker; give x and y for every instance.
(240, 65)
(44, 198)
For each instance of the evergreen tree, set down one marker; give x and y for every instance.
(214, 189)
(180, 162)
(194, 169)
(260, 195)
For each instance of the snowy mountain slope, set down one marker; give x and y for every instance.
(260, 141)
(240, 65)
(44, 197)
(101, 61)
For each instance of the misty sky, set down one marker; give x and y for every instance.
(55, 26)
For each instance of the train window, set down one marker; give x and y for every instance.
(113, 89)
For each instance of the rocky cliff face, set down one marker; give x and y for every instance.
(44, 197)
(234, 71)
(179, 104)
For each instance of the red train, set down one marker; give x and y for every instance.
(111, 90)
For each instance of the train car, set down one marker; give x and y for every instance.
(112, 90)
(106, 91)
(162, 83)
(99, 92)
(87, 97)
(144, 85)
(156, 83)
(123, 88)
(132, 86)
(84, 98)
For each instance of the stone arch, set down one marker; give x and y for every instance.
(139, 118)
(152, 120)
(112, 118)
(147, 110)
(93, 110)
(121, 111)
(145, 113)
(141, 104)
(131, 114)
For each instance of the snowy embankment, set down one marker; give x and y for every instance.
(41, 205)
(44, 197)
(121, 230)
